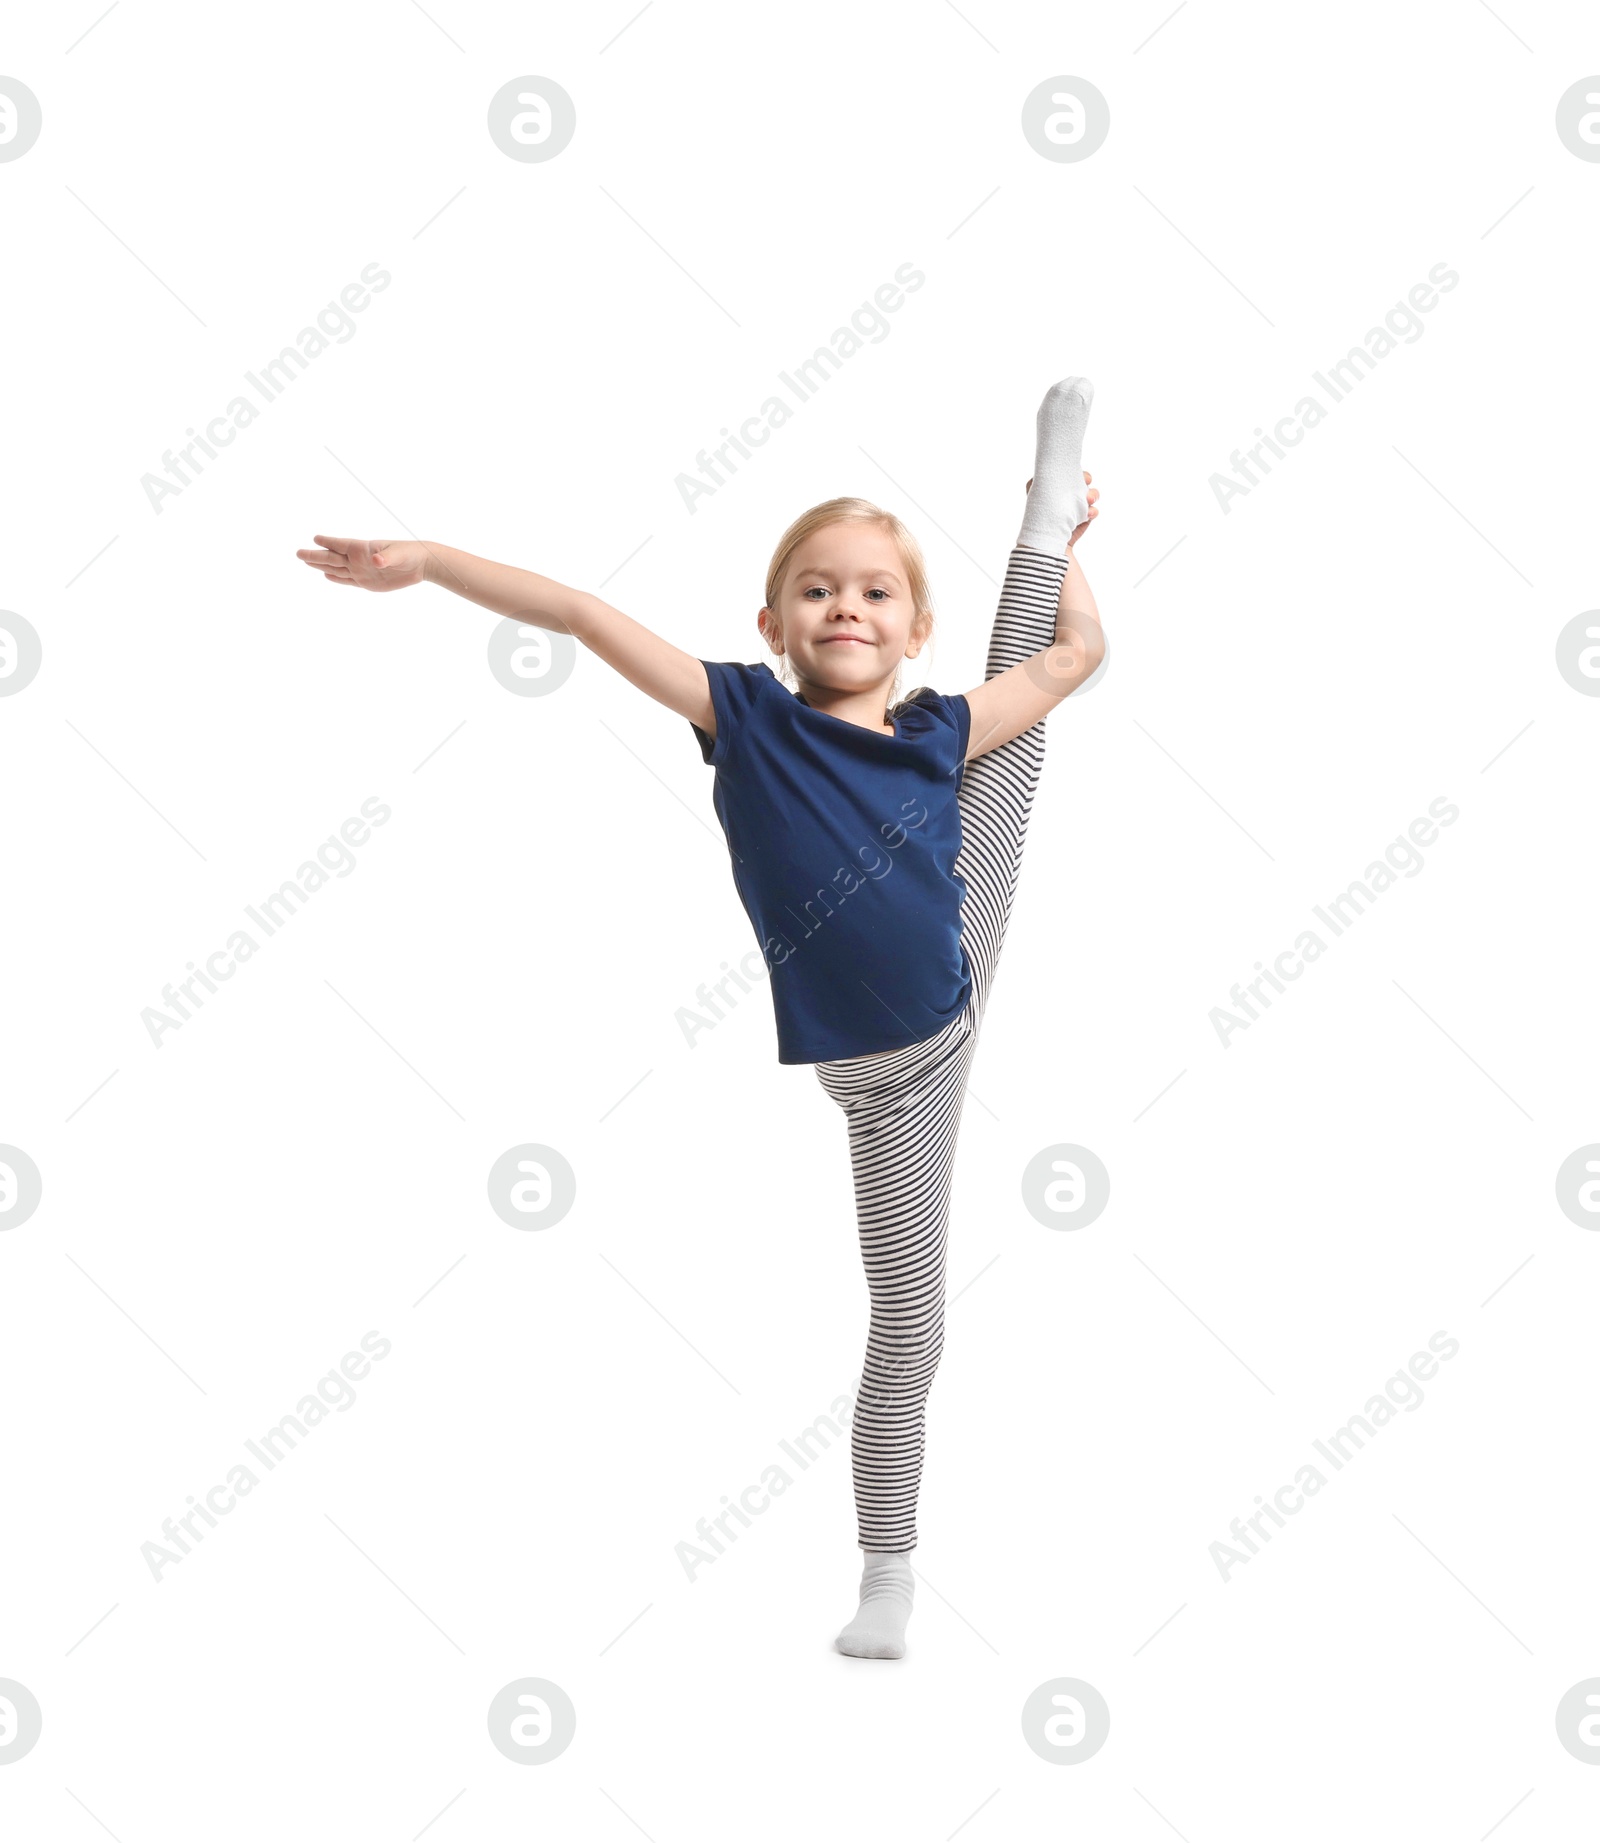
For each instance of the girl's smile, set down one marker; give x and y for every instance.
(845, 596)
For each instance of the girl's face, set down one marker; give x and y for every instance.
(845, 616)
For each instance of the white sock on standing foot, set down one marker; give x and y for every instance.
(879, 1627)
(1057, 501)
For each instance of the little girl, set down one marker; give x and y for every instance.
(875, 845)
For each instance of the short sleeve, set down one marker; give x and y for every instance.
(734, 690)
(943, 723)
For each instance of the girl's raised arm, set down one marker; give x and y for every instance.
(660, 669)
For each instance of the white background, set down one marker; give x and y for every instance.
(1290, 684)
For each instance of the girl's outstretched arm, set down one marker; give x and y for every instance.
(660, 669)
(1016, 699)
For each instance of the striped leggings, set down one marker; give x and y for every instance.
(903, 1106)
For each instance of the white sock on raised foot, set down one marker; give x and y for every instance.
(1057, 501)
(879, 1627)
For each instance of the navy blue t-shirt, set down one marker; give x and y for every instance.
(844, 845)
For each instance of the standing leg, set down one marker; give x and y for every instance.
(902, 1108)
(902, 1121)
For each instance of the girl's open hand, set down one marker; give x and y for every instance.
(1092, 495)
(367, 563)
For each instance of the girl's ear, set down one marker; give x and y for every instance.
(770, 630)
(921, 632)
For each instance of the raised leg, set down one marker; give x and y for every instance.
(997, 789)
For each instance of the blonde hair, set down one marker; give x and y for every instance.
(848, 511)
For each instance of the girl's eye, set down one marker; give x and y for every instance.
(815, 589)
(883, 592)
